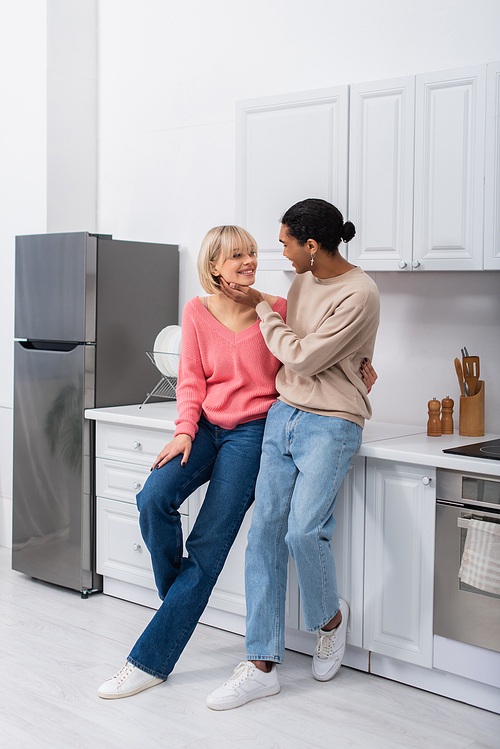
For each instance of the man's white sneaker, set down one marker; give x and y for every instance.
(128, 681)
(246, 684)
(330, 648)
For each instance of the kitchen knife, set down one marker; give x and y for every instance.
(458, 368)
(471, 372)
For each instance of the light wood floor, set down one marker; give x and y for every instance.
(56, 649)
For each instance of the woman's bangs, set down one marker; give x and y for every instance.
(233, 238)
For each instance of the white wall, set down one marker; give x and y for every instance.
(22, 188)
(169, 75)
(169, 78)
(47, 156)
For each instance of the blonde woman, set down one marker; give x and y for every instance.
(226, 386)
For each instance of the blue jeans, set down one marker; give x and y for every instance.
(229, 458)
(304, 460)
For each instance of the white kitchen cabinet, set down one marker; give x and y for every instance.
(399, 561)
(381, 135)
(416, 171)
(492, 170)
(124, 455)
(289, 147)
(121, 552)
(449, 169)
(348, 547)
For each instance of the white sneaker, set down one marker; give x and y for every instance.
(128, 681)
(330, 648)
(246, 684)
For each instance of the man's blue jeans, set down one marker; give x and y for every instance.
(229, 459)
(304, 460)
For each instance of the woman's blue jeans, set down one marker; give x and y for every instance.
(229, 459)
(305, 457)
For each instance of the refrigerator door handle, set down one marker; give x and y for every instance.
(48, 345)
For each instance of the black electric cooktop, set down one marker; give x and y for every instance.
(489, 449)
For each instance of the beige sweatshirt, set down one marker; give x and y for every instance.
(331, 326)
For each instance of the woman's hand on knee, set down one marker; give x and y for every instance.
(180, 445)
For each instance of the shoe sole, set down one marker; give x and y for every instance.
(244, 699)
(130, 694)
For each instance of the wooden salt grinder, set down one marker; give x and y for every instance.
(447, 415)
(434, 423)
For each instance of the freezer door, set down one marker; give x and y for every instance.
(56, 287)
(52, 502)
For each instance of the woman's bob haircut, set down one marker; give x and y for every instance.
(219, 244)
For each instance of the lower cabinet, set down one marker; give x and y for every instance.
(121, 551)
(383, 544)
(124, 455)
(399, 561)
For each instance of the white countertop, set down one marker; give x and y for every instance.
(403, 443)
(419, 449)
(152, 415)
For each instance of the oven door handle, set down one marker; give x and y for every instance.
(487, 518)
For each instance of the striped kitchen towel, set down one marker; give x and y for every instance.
(481, 558)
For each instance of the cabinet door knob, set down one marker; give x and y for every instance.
(136, 547)
(402, 264)
(136, 485)
(415, 263)
(137, 445)
(426, 480)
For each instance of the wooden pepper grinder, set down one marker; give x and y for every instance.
(434, 422)
(447, 415)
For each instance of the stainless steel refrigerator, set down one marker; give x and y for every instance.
(87, 308)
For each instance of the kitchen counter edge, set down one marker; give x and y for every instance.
(402, 443)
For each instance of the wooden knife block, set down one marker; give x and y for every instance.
(471, 418)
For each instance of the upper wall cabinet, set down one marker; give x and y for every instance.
(449, 169)
(422, 185)
(416, 172)
(289, 148)
(492, 171)
(381, 173)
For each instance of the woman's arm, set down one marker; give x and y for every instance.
(338, 338)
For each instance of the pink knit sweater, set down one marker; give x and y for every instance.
(230, 377)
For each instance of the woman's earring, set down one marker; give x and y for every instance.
(312, 259)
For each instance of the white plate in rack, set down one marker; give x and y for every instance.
(175, 349)
(162, 345)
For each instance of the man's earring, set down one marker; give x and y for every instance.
(312, 259)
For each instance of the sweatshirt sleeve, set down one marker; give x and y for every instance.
(191, 383)
(340, 336)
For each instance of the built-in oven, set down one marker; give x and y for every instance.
(463, 612)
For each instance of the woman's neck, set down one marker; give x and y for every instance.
(234, 316)
(327, 265)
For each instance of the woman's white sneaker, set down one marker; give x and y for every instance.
(246, 684)
(330, 648)
(128, 681)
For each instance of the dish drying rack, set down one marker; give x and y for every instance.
(165, 388)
